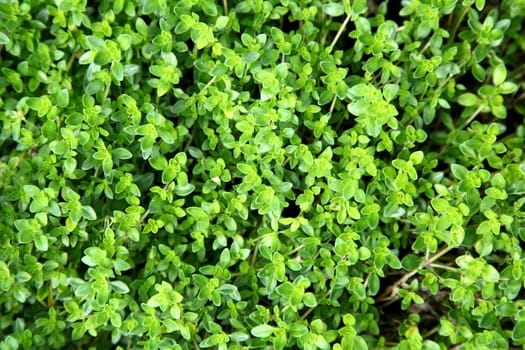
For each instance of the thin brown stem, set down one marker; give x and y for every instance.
(391, 291)
(445, 267)
(430, 332)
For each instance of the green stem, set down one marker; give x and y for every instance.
(296, 249)
(254, 257)
(106, 92)
(339, 122)
(143, 217)
(340, 32)
(70, 62)
(456, 25)
(50, 299)
(473, 116)
(188, 144)
(209, 84)
(332, 105)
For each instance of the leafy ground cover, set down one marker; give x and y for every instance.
(262, 174)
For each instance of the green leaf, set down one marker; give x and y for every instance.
(41, 105)
(117, 70)
(87, 57)
(101, 155)
(334, 9)
(298, 330)
(468, 99)
(490, 274)
(359, 6)
(184, 190)
(518, 332)
(151, 6)
(309, 299)
(41, 242)
(417, 157)
(499, 75)
(411, 262)
(479, 72)
(209, 7)
(169, 174)
(107, 166)
(119, 287)
(359, 343)
(27, 230)
(230, 290)
(262, 331)
(102, 57)
(459, 171)
(122, 153)
(390, 91)
(480, 4)
(62, 98)
(88, 212)
(31, 190)
(506, 309)
(4, 39)
(440, 204)
(221, 22)
(393, 210)
(158, 163)
(202, 35)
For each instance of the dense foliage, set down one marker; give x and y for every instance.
(262, 174)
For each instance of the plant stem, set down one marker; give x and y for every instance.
(296, 249)
(340, 32)
(50, 299)
(332, 105)
(391, 291)
(458, 22)
(440, 266)
(106, 92)
(430, 332)
(188, 144)
(254, 256)
(473, 116)
(209, 84)
(143, 217)
(70, 62)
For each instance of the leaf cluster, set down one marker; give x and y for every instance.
(262, 174)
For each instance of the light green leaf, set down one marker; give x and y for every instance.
(518, 332)
(4, 39)
(122, 153)
(88, 212)
(119, 287)
(334, 9)
(468, 99)
(499, 75)
(262, 331)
